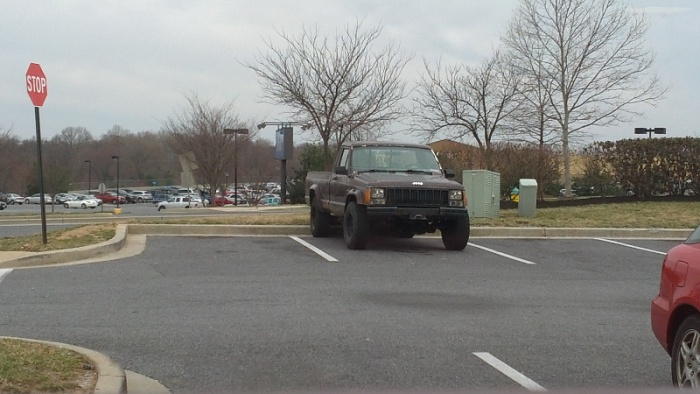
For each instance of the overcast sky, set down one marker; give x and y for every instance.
(132, 63)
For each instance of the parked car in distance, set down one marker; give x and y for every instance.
(60, 198)
(177, 202)
(92, 194)
(160, 197)
(110, 198)
(128, 196)
(142, 195)
(230, 199)
(36, 198)
(675, 311)
(14, 198)
(82, 201)
(220, 201)
(270, 199)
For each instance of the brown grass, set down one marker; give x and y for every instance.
(61, 239)
(30, 367)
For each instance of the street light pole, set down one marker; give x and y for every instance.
(235, 132)
(284, 148)
(117, 157)
(89, 173)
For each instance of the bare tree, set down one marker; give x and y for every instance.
(70, 145)
(461, 101)
(144, 152)
(593, 58)
(200, 129)
(338, 84)
(9, 159)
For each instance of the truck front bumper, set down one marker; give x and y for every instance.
(416, 213)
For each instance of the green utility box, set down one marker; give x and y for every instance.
(483, 193)
(527, 205)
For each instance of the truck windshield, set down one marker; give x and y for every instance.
(394, 159)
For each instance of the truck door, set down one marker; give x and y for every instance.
(338, 184)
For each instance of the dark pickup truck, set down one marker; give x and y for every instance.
(387, 187)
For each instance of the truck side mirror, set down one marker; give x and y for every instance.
(341, 170)
(449, 173)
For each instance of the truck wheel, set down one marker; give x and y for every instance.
(160, 208)
(320, 221)
(355, 226)
(455, 234)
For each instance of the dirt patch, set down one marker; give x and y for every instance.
(84, 231)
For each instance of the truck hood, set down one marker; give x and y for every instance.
(407, 179)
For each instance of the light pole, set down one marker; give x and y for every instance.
(89, 173)
(235, 132)
(117, 157)
(657, 130)
(284, 148)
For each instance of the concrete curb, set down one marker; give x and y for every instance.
(553, 232)
(216, 229)
(68, 255)
(111, 378)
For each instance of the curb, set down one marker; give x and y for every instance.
(68, 255)
(111, 378)
(554, 232)
(216, 229)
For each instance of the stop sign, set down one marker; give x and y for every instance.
(36, 84)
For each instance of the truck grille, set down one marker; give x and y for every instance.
(416, 197)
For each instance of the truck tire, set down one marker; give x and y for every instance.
(320, 221)
(355, 226)
(455, 234)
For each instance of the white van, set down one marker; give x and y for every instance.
(187, 191)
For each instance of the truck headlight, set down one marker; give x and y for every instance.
(456, 198)
(376, 192)
(375, 196)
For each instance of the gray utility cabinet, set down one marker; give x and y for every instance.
(483, 193)
(527, 204)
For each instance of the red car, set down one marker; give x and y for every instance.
(675, 312)
(110, 198)
(221, 201)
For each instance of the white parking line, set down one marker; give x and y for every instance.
(509, 372)
(501, 254)
(4, 273)
(314, 249)
(630, 246)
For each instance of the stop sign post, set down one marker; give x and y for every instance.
(37, 88)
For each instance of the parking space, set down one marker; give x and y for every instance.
(288, 313)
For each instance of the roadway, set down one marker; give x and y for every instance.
(263, 313)
(18, 220)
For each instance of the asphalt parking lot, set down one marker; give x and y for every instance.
(300, 313)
